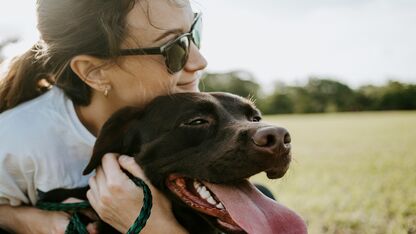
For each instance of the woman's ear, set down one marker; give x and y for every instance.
(91, 70)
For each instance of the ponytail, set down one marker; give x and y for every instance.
(26, 78)
(67, 28)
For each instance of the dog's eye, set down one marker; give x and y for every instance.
(256, 119)
(196, 122)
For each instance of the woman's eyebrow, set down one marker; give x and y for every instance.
(169, 32)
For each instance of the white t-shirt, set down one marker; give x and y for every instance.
(43, 146)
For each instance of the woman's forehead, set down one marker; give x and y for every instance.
(148, 20)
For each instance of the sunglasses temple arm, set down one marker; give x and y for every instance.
(150, 51)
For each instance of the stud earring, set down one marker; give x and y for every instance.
(107, 90)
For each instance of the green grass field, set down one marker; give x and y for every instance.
(352, 172)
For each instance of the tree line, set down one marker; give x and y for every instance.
(317, 95)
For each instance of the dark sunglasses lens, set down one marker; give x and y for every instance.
(177, 54)
(197, 31)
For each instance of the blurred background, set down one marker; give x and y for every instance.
(294, 56)
(339, 74)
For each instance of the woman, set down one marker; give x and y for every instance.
(55, 98)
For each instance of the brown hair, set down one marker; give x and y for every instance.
(68, 28)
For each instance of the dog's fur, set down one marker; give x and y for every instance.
(213, 137)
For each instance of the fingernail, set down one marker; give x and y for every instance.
(109, 155)
(123, 158)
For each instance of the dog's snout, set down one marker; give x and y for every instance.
(271, 138)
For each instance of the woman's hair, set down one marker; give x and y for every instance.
(67, 28)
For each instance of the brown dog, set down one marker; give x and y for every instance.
(199, 149)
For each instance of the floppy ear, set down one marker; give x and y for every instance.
(120, 134)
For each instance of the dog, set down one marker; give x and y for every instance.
(199, 149)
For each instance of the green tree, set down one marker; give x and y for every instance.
(392, 96)
(316, 96)
(398, 96)
(279, 102)
(241, 83)
(328, 95)
(369, 97)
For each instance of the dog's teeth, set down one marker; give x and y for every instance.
(211, 201)
(196, 184)
(205, 194)
(204, 189)
(220, 206)
(199, 189)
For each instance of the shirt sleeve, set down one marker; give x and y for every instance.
(14, 180)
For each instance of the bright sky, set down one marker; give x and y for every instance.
(355, 41)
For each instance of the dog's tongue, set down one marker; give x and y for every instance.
(256, 213)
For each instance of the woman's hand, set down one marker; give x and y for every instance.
(118, 201)
(25, 219)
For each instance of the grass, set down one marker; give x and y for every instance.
(352, 172)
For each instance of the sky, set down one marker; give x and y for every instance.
(355, 41)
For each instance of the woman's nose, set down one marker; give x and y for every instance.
(196, 61)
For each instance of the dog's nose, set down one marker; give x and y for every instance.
(272, 138)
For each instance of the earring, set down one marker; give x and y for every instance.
(107, 90)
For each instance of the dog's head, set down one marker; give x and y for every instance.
(200, 148)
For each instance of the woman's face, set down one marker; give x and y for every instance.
(137, 79)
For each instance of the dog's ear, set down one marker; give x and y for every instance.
(117, 136)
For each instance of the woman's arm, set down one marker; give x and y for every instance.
(118, 201)
(25, 219)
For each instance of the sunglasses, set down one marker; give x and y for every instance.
(176, 52)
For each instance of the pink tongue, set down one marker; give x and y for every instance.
(256, 213)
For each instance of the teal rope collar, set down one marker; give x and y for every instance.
(75, 225)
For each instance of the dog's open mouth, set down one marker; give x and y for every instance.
(197, 196)
(236, 208)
